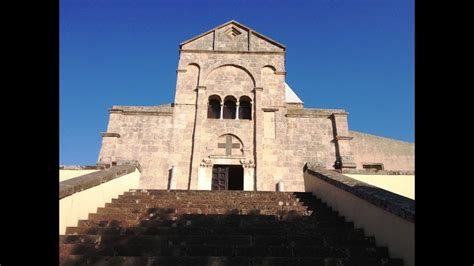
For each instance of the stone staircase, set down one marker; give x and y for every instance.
(157, 227)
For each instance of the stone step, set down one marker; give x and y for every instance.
(215, 230)
(204, 204)
(158, 227)
(227, 203)
(217, 261)
(238, 222)
(200, 200)
(142, 216)
(214, 220)
(230, 240)
(123, 249)
(175, 204)
(207, 210)
(212, 196)
(219, 192)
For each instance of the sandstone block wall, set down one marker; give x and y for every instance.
(233, 60)
(394, 154)
(143, 134)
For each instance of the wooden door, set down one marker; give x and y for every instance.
(220, 176)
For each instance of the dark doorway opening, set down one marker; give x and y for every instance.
(227, 177)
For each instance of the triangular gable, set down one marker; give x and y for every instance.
(206, 38)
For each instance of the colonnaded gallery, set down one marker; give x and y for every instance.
(235, 124)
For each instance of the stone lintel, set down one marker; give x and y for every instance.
(110, 134)
(269, 109)
(231, 52)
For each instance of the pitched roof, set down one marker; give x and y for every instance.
(290, 95)
(240, 25)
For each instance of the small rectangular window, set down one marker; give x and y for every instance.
(373, 166)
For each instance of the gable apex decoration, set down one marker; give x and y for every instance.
(239, 25)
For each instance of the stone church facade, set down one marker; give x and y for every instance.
(236, 124)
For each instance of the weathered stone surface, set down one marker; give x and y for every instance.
(233, 61)
(395, 155)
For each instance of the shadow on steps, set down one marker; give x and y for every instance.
(197, 229)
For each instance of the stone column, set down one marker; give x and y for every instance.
(200, 115)
(237, 110)
(258, 135)
(344, 156)
(222, 111)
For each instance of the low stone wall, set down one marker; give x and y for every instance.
(82, 195)
(387, 216)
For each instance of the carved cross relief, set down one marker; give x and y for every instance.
(229, 146)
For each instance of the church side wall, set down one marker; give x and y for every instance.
(144, 138)
(309, 139)
(393, 154)
(181, 143)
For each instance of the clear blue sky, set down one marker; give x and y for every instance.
(357, 55)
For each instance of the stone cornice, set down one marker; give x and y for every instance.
(232, 52)
(280, 72)
(258, 89)
(340, 114)
(391, 202)
(310, 112)
(110, 134)
(181, 70)
(163, 110)
(147, 113)
(376, 172)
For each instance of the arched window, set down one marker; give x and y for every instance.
(214, 107)
(229, 107)
(245, 108)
